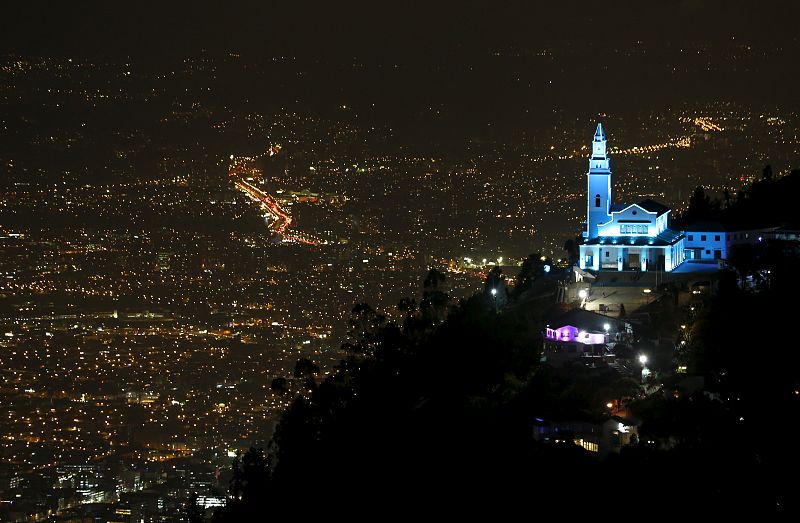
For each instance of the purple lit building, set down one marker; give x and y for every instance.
(568, 333)
(581, 334)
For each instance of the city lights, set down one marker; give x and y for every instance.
(346, 237)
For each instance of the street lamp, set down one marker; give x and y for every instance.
(582, 294)
(645, 370)
(494, 299)
(647, 294)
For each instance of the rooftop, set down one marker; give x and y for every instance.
(667, 237)
(654, 206)
(586, 320)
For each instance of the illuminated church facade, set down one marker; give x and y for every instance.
(624, 237)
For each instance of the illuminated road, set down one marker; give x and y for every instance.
(280, 219)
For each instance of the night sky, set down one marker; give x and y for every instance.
(390, 30)
(463, 54)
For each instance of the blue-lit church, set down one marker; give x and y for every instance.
(624, 236)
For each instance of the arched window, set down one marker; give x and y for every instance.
(597, 200)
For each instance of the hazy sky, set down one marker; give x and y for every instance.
(387, 28)
(449, 64)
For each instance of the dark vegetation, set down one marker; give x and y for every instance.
(440, 407)
(767, 202)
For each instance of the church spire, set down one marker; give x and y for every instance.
(599, 197)
(599, 134)
(599, 148)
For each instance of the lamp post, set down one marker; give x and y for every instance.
(645, 370)
(582, 294)
(494, 299)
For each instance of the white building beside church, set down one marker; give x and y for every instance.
(624, 237)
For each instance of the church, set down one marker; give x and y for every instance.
(624, 237)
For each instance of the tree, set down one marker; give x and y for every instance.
(624, 351)
(435, 300)
(434, 279)
(364, 324)
(407, 305)
(572, 246)
(250, 475)
(307, 370)
(194, 512)
(700, 207)
(249, 487)
(626, 387)
(533, 268)
(746, 260)
(279, 385)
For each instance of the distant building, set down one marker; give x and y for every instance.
(581, 334)
(599, 439)
(620, 236)
(713, 241)
(568, 333)
(707, 241)
(786, 234)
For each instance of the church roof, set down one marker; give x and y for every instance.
(667, 237)
(653, 206)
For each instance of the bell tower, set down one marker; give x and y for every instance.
(599, 185)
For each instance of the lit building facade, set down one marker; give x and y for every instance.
(707, 241)
(568, 333)
(624, 237)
